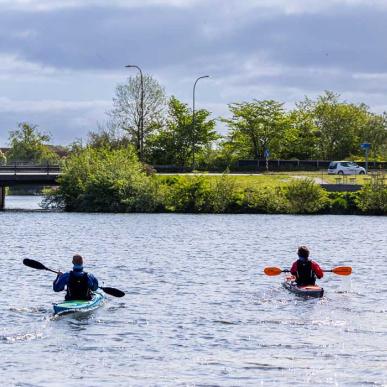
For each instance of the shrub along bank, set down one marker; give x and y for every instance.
(113, 180)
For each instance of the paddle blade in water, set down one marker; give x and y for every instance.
(272, 270)
(112, 291)
(34, 264)
(342, 270)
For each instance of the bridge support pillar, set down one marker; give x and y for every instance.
(2, 198)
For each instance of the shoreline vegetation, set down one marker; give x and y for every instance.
(105, 179)
(112, 171)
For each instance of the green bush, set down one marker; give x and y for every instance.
(113, 180)
(222, 194)
(343, 202)
(267, 200)
(105, 180)
(305, 197)
(372, 199)
(188, 194)
(339, 205)
(198, 194)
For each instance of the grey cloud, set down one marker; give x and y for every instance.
(99, 37)
(64, 125)
(251, 51)
(102, 37)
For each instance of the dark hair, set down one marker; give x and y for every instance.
(77, 259)
(303, 252)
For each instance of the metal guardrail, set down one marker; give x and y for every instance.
(283, 165)
(29, 168)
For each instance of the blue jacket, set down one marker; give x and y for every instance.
(62, 280)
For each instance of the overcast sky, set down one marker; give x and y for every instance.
(60, 60)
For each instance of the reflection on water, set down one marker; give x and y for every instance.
(198, 309)
(13, 202)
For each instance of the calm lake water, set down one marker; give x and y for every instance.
(198, 310)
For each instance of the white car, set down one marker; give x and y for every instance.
(345, 168)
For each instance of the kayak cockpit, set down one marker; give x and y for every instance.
(79, 306)
(304, 291)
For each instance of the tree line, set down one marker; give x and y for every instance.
(324, 128)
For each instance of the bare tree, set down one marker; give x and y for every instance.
(126, 112)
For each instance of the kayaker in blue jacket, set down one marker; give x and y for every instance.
(79, 284)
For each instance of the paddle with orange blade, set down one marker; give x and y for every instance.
(339, 270)
(274, 271)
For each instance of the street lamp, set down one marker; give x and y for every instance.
(193, 119)
(141, 139)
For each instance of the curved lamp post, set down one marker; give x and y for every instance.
(193, 119)
(141, 139)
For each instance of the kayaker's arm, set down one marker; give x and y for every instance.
(293, 269)
(60, 282)
(317, 269)
(92, 282)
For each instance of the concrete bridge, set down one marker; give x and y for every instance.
(13, 175)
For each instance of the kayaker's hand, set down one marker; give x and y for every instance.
(59, 273)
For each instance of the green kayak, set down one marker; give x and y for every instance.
(79, 306)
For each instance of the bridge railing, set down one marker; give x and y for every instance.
(23, 168)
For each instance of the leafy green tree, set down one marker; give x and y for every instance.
(225, 153)
(176, 142)
(28, 144)
(375, 133)
(214, 156)
(126, 112)
(107, 137)
(301, 137)
(256, 126)
(338, 125)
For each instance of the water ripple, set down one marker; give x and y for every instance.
(198, 311)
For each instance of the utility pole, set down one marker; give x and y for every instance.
(193, 119)
(141, 139)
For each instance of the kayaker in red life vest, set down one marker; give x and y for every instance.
(79, 284)
(304, 269)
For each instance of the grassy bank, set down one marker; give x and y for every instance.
(275, 179)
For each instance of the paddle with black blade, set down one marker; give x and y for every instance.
(37, 265)
(339, 270)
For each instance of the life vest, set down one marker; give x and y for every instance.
(305, 273)
(78, 287)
